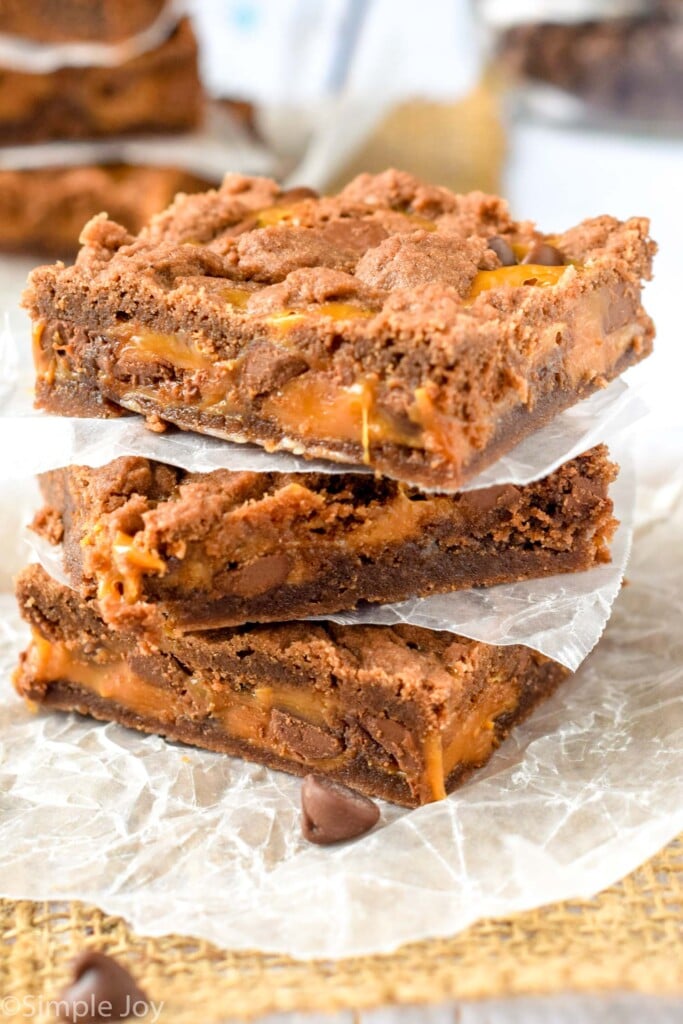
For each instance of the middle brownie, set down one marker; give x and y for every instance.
(160, 548)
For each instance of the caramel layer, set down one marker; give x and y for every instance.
(127, 563)
(254, 715)
(515, 277)
(313, 405)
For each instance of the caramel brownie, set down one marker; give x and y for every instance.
(163, 549)
(69, 21)
(395, 324)
(626, 67)
(43, 210)
(159, 91)
(401, 713)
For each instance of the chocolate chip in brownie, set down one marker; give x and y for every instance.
(267, 368)
(503, 251)
(545, 255)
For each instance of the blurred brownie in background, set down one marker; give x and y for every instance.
(628, 67)
(157, 91)
(49, 188)
(43, 210)
(68, 21)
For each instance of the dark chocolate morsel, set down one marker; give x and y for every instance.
(544, 255)
(295, 195)
(332, 812)
(101, 990)
(503, 250)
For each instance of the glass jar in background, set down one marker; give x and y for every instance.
(595, 63)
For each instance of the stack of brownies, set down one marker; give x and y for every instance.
(395, 327)
(101, 71)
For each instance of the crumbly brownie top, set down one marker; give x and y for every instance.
(390, 261)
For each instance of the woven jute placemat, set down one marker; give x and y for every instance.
(626, 939)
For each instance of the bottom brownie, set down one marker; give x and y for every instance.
(400, 712)
(42, 210)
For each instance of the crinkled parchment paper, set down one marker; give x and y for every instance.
(219, 145)
(178, 840)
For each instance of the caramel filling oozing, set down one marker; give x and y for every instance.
(514, 277)
(314, 406)
(333, 310)
(127, 563)
(250, 714)
(237, 297)
(176, 349)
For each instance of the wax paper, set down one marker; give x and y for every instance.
(221, 144)
(178, 840)
(502, 12)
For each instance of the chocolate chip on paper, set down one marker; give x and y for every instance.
(332, 812)
(101, 990)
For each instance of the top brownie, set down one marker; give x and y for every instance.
(395, 324)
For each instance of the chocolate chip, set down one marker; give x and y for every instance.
(503, 251)
(544, 255)
(295, 195)
(263, 574)
(332, 812)
(101, 990)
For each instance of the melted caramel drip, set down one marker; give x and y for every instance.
(434, 767)
(128, 563)
(176, 349)
(41, 360)
(475, 738)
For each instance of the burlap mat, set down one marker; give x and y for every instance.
(628, 938)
